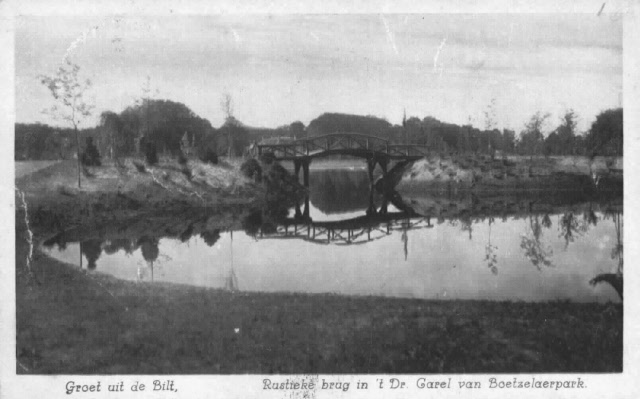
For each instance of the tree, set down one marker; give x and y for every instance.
(296, 129)
(508, 140)
(490, 123)
(166, 124)
(226, 104)
(605, 136)
(234, 137)
(562, 140)
(68, 91)
(531, 138)
(112, 127)
(567, 131)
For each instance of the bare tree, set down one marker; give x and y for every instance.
(68, 91)
(226, 105)
(490, 122)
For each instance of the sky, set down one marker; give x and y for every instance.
(283, 68)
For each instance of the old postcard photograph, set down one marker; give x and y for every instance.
(293, 201)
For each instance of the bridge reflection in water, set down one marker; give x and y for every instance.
(376, 222)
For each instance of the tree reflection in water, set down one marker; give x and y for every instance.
(490, 255)
(91, 250)
(150, 252)
(110, 247)
(614, 279)
(531, 243)
(210, 237)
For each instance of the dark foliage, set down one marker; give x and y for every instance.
(209, 156)
(252, 169)
(91, 156)
(150, 153)
(233, 138)
(140, 167)
(606, 134)
(268, 158)
(334, 122)
(182, 159)
(252, 223)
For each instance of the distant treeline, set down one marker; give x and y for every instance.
(603, 138)
(173, 129)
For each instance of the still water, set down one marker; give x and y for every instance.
(423, 246)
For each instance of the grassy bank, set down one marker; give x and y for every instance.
(515, 173)
(119, 192)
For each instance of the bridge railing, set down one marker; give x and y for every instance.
(342, 142)
(411, 150)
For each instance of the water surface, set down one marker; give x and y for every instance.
(500, 248)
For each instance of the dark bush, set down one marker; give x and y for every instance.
(252, 169)
(268, 158)
(210, 156)
(251, 224)
(90, 156)
(186, 171)
(182, 160)
(150, 153)
(140, 167)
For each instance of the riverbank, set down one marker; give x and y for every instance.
(132, 189)
(480, 173)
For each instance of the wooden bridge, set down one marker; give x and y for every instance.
(354, 144)
(375, 150)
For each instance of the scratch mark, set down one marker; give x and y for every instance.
(601, 8)
(390, 37)
(313, 35)
(435, 58)
(80, 40)
(29, 232)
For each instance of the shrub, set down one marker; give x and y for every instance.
(90, 156)
(151, 154)
(182, 160)
(268, 158)
(252, 169)
(210, 156)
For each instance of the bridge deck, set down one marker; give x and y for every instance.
(353, 144)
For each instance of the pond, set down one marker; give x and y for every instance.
(350, 240)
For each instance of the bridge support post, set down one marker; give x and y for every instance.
(305, 213)
(371, 210)
(298, 214)
(384, 162)
(305, 171)
(296, 167)
(371, 165)
(384, 206)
